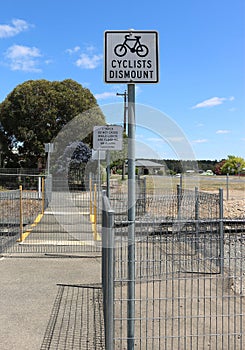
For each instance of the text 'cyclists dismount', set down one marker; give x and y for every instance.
(131, 57)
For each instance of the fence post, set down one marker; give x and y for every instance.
(90, 196)
(39, 187)
(179, 197)
(108, 270)
(47, 188)
(144, 194)
(221, 230)
(21, 214)
(95, 212)
(196, 218)
(43, 195)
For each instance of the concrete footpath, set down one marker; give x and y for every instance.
(51, 302)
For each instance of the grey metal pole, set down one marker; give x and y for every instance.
(39, 187)
(196, 245)
(110, 282)
(124, 125)
(104, 257)
(48, 161)
(221, 229)
(131, 217)
(108, 270)
(124, 110)
(99, 178)
(179, 199)
(227, 186)
(108, 170)
(144, 205)
(181, 182)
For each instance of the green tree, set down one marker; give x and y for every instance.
(34, 113)
(233, 165)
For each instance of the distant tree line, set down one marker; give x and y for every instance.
(174, 166)
(233, 165)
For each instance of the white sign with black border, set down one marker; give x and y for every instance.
(108, 137)
(131, 57)
(98, 154)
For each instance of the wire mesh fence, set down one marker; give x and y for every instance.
(181, 301)
(10, 217)
(189, 258)
(18, 209)
(189, 275)
(11, 179)
(52, 218)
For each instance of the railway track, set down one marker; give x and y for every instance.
(185, 226)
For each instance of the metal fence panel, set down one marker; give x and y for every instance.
(56, 220)
(189, 275)
(182, 300)
(9, 217)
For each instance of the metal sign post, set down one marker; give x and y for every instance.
(49, 148)
(108, 172)
(131, 215)
(131, 57)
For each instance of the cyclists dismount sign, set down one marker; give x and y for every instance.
(131, 57)
(140, 49)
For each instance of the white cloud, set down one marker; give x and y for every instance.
(18, 26)
(113, 94)
(89, 62)
(223, 131)
(23, 58)
(200, 141)
(211, 102)
(87, 59)
(74, 50)
(104, 95)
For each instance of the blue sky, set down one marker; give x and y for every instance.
(202, 62)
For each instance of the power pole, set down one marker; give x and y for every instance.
(125, 109)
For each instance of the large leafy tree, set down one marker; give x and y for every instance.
(34, 113)
(233, 165)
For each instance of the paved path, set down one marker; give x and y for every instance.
(50, 303)
(65, 226)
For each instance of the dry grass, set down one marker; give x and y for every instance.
(161, 184)
(203, 183)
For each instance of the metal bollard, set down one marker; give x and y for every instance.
(108, 270)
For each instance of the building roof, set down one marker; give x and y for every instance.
(147, 163)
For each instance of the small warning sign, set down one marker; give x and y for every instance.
(108, 137)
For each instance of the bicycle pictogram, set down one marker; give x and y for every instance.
(140, 49)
